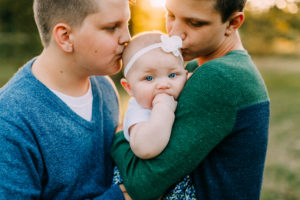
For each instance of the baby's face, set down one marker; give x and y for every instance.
(154, 73)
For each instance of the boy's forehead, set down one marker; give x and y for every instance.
(105, 4)
(190, 7)
(110, 9)
(109, 14)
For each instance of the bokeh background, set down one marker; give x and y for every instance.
(271, 34)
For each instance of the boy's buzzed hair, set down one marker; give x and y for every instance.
(228, 7)
(47, 13)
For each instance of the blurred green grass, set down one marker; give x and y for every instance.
(282, 171)
(282, 77)
(7, 69)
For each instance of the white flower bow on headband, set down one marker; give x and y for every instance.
(171, 44)
(168, 44)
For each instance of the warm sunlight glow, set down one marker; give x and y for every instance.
(261, 4)
(150, 16)
(281, 4)
(157, 3)
(292, 8)
(264, 5)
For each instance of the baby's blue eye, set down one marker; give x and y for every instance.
(173, 75)
(149, 78)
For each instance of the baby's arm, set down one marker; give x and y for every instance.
(148, 139)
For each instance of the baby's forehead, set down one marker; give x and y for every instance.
(159, 54)
(166, 63)
(153, 56)
(141, 42)
(152, 50)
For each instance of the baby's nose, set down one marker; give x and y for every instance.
(163, 84)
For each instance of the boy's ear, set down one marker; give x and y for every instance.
(62, 36)
(234, 22)
(126, 86)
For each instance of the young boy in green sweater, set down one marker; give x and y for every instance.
(221, 123)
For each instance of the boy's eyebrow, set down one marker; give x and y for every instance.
(117, 21)
(189, 18)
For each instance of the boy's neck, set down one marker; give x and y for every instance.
(232, 42)
(56, 70)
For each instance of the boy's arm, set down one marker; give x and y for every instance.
(19, 173)
(21, 166)
(204, 116)
(148, 139)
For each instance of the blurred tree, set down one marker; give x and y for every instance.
(19, 39)
(275, 31)
(16, 16)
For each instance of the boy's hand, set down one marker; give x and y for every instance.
(119, 128)
(166, 100)
(126, 195)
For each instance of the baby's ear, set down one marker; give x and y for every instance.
(126, 86)
(188, 75)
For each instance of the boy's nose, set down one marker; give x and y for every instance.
(125, 37)
(176, 29)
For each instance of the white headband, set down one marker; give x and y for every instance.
(168, 44)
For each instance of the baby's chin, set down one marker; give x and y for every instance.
(143, 104)
(148, 107)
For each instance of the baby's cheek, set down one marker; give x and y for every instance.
(145, 102)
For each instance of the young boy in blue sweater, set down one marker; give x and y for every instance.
(220, 131)
(57, 119)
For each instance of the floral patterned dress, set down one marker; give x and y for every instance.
(183, 190)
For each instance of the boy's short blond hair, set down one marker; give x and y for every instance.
(47, 13)
(138, 42)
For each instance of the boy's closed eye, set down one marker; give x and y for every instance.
(170, 16)
(112, 27)
(196, 23)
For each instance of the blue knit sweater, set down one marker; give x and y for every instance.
(47, 150)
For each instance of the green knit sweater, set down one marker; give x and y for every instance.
(219, 135)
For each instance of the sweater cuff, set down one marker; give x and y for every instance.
(113, 193)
